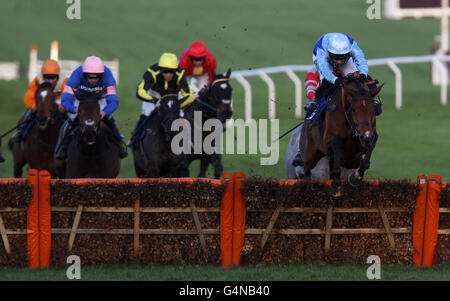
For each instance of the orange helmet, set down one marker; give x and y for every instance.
(50, 67)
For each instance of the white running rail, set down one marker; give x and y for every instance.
(392, 62)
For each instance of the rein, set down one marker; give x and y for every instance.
(206, 104)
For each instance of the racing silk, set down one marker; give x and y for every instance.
(77, 82)
(322, 58)
(154, 80)
(30, 101)
(209, 64)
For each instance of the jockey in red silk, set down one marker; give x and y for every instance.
(91, 77)
(198, 62)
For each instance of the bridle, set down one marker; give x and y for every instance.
(211, 95)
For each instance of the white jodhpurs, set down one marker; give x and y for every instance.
(197, 82)
(101, 102)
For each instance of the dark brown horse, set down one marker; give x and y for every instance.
(38, 147)
(349, 133)
(92, 152)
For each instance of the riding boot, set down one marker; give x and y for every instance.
(310, 107)
(62, 144)
(133, 142)
(298, 161)
(111, 122)
(27, 116)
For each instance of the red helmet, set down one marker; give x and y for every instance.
(197, 49)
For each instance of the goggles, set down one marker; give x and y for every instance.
(50, 76)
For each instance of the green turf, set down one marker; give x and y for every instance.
(277, 272)
(242, 34)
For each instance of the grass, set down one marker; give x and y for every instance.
(281, 272)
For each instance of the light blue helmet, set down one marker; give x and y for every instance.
(338, 43)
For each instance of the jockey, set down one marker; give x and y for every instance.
(334, 53)
(91, 77)
(157, 79)
(198, 62)
(50, 72)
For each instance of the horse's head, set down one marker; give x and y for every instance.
(89, 116)
(46, 108)
(169, 110)
(359, 104)
(219, 95)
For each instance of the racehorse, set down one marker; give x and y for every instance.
(154, 158)
(214, 101)
(93, 151)
(349, 133)
(38, 147)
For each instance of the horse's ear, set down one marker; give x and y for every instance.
(375, 91)
(213, 74)
(228, 73)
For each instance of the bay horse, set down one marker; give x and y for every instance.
(349, 133)
(38, 147)
(153, 158)
(214, 101)
(93, 151)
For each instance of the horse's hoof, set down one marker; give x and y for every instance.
(354, 179)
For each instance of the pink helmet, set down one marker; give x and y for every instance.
(93, 64)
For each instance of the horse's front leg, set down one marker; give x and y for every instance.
(364, 165)
(335, 174)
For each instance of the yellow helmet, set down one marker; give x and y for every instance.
(50, 67)
(168, 60)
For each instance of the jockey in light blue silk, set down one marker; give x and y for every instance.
(335, 55)
(93, 76)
